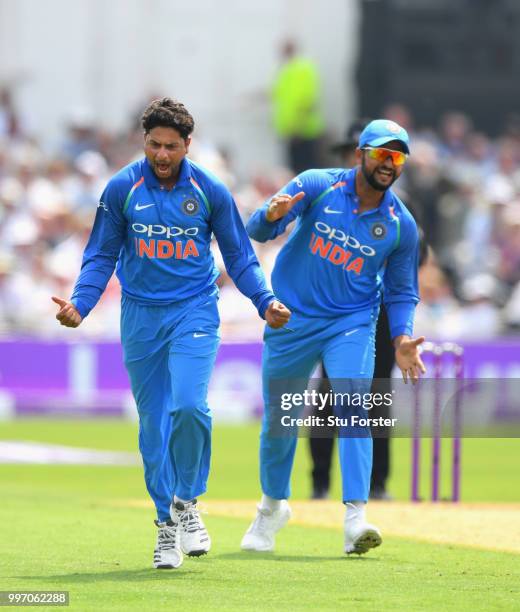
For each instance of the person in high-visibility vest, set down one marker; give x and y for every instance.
(297, 118)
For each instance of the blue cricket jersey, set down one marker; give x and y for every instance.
(336, 261)
(160, 240)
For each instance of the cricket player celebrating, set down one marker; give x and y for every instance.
(353, 237)
(155, 221)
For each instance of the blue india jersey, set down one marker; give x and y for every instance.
(338, 260)
(159, 240)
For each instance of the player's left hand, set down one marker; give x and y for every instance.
(277, 315)
(67, 314)
(408, 357)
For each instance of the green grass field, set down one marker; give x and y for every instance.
(75, 528)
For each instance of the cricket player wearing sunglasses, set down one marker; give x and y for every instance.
(353, 236)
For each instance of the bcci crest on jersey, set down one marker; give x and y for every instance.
(190, 206)
(378, 231)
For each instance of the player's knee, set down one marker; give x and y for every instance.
(186, 407)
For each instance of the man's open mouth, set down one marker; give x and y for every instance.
(385, 173)
(162, 168)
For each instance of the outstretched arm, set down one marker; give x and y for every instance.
(102, 250)
(99, 259)
(401, 297)
(273, 217)
(240, 259)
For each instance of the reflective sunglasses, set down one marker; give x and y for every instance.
(381, 154)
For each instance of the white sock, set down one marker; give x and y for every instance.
(268, 503)
(355, 510)
(178, 499)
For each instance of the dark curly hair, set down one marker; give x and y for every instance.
(167, 112)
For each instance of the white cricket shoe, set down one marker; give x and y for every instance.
(260, 535)
(195, 540)
(360, 536)
(167, 553)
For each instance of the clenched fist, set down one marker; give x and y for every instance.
(281, 204)
(67, 314)
(277, 315)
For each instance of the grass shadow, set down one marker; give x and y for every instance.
(136, 575)
(271, 556)
(187, 571)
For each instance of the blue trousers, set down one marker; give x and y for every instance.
(346, 346)
(169, 352)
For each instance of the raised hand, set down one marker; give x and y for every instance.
(67, 314)
(281, 204)
(408, 357)
(277, 315)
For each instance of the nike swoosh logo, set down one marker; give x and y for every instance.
(141, 207)
(335, 212)
(352, 331)
(199, 335)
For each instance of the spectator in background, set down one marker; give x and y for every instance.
(479, 318)
(85, 186)
(10, 122)
(400, 114)
(455, 128)
(81, 134)
(512, 310)
(440, 314)
(7, 312)
(509, 246)
(296, 109)
(438, 304)
(424, 187)
(479, 160)
(505, 177)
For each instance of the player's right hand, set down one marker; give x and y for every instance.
(277, 315)
(281, 204)
(67, 314)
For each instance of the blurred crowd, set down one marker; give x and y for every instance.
(464, 188)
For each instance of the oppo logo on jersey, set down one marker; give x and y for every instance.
(324, 243)
(162, 230)
(165, 249)
(345, 240)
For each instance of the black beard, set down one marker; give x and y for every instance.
(372, 181)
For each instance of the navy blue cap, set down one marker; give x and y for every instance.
(381, 131)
